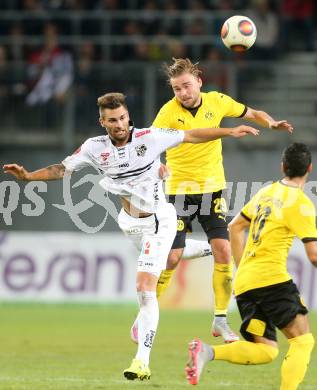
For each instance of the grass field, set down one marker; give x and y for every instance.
(88, 346)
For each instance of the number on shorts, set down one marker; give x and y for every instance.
(220, 206)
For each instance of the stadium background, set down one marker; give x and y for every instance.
(48, 108)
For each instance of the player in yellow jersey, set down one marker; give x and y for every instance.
(197, 178)
(266, 295)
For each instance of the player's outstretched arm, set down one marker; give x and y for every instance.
(53, 172)
(237, 229)
(262, 118)
(196, 136)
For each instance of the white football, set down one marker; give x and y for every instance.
(238, 33)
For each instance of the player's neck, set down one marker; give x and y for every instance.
(298, 182)
(198, 102)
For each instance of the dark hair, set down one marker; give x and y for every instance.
(111, 100)
(181, 66)
(296, 160)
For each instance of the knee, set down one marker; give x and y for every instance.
(222, 251)
(143, 286)
(272, 353)
(147, 282)
(172, 260)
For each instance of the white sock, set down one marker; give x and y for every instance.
(148, 318)
(208, 352)
(195, 249)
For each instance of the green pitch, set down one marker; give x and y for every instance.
(88, 346)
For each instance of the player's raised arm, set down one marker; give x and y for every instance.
(52, 172)
(196, 136)
(262, 118)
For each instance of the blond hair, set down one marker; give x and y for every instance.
(179, 67)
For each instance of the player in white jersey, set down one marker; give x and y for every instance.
(129, 160)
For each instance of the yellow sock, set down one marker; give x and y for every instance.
(296, 361)
(164, 281)
(222, 285)
(245, 352)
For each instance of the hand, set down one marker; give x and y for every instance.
(281, 125)
(16, 170)
(164, 172)
(242, 131)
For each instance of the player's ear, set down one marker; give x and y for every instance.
(282, 167)
(101, 121)
(200, 82)
(310, 168)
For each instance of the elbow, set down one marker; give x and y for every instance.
(231, 230)
(313, 259)
(312, 255)
(231, 226)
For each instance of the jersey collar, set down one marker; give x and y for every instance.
(194, 110)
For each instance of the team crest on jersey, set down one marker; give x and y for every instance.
(140, 150)
(208, 115)
(180, 225)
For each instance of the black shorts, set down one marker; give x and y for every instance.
(264, 309)
(209, 208)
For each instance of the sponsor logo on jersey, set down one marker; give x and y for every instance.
(140, 133)
(208, 115)
(155, 192)
(105, 156)
(125, 165)
(181, 120)
(165, 130)
(134, 231)
(140, 150)
(147, 247)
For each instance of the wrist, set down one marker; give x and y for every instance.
(230, 131)
(27, 176)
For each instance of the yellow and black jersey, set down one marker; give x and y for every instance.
(197, 168)
(277, 214)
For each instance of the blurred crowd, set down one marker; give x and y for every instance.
(283, 25)
(72, 36)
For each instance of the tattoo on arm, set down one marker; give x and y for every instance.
(53, 172)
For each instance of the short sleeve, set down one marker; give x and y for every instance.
(79, 159)
(166, 138)
(247, 210)
(231, 107)
(303, 222)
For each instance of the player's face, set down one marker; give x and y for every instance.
(186, 89)
(116, 122)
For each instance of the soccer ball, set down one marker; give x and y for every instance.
(238, 33)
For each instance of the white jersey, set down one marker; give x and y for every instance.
(130, 171)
